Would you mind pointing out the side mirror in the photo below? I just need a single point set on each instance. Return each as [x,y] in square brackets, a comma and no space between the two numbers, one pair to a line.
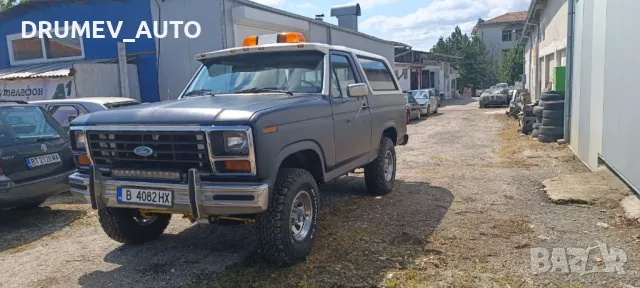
[358,90]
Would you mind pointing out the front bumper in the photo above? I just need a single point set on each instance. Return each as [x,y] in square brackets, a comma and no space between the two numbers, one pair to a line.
[12,194]
[200,199]
[494,100]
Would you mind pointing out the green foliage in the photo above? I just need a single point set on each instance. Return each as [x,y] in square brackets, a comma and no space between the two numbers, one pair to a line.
[6,4]
[475,66]
[511,65]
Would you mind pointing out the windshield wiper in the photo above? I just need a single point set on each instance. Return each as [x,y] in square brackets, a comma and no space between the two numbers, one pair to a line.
[264,90]
[200,92]
[47,138]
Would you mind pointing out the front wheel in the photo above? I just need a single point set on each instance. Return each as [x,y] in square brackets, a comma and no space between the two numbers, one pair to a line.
[286,230]
[380,174]
[129,226]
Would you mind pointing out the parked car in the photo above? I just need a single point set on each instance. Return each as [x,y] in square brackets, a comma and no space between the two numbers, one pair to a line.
[35,156]
[428,100]
[412,106]
[65,110]
[496,96]
[251,136]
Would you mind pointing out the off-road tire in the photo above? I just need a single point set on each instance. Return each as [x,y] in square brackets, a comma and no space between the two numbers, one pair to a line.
[120,225]
[552,130]
[552,122]
[374,172]
[551,96]
[273,228]
[481,106]
[553,114]
[538,110]
[553,105]
[30,206]
[548,138]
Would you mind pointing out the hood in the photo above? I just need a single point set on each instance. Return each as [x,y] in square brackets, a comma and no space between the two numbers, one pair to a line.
[422,101]
[201,110]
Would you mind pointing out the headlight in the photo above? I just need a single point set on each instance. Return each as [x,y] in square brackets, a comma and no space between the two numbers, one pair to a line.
[81,141]
[236,142]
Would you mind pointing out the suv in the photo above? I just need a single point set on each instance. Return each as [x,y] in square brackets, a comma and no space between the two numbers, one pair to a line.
[35,156]
[252,135]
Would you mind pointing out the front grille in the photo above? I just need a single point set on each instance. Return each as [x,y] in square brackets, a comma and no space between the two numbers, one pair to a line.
[172,151]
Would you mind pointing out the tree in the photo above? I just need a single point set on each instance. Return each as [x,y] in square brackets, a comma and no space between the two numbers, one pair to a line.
[475,66]
[511,65]
[6,4]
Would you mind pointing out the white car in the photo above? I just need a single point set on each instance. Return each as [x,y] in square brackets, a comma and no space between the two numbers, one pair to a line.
[427,99]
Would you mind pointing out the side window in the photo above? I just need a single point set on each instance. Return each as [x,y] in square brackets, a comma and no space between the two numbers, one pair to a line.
[341,76]
[378,74]
[63,114]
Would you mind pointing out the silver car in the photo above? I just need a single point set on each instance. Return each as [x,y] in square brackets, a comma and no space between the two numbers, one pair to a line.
[427,99]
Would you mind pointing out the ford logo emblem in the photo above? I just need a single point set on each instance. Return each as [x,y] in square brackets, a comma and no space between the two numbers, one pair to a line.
[143,151]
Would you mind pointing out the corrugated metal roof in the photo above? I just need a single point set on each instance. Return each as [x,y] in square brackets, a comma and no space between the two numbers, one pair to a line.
[56,69]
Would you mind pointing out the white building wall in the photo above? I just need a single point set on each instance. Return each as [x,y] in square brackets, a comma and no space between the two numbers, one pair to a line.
[620,118]
[491,36]
[552,45]
[403,73]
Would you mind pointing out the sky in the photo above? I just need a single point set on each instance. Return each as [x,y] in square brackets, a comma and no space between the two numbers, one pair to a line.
[418,23]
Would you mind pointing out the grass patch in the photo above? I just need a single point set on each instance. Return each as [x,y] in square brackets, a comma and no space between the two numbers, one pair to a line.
[439,159]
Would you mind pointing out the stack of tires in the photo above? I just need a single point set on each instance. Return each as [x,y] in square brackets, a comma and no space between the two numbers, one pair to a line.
[549,126]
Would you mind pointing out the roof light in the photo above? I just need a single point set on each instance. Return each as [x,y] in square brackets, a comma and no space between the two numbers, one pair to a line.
[291,37]
[286,37]
[250,41]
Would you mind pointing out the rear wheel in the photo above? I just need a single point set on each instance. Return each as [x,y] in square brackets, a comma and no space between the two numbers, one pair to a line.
[380,174]
[286,230]
[129,226]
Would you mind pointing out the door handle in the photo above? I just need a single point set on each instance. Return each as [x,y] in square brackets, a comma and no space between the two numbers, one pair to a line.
[365,106]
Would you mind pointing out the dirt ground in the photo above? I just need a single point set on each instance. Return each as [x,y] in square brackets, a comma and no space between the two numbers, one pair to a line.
[466,210]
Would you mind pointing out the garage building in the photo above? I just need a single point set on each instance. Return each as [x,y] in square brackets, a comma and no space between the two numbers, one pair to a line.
[225,23]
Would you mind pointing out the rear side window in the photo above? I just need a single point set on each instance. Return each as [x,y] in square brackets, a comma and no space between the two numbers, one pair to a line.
[378,74]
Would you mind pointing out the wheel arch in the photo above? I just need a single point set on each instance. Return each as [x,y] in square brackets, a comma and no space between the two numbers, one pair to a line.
[306,154]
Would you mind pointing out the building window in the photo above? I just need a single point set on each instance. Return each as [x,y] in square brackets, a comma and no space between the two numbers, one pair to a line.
[518,34]
[506,35]
[47,49]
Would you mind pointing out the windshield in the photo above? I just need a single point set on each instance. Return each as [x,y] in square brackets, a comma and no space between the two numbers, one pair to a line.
[26,125]
[422,94]
[291,71]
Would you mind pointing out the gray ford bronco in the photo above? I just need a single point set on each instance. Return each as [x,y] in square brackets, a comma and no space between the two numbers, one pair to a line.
[249,139]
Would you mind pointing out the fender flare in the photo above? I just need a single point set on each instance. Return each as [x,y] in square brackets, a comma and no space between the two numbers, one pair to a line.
[387,125]
[293,148]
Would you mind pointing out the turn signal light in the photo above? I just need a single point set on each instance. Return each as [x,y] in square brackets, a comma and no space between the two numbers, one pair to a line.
[83,160]
[237,166]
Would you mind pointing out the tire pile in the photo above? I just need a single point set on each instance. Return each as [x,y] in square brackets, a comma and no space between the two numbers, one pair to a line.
[549,126]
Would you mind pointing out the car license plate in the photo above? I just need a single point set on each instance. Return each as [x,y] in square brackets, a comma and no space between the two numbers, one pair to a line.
[34,162]
[149,197]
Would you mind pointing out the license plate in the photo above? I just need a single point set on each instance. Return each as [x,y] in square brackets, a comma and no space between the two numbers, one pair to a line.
[149,197]
[34,162]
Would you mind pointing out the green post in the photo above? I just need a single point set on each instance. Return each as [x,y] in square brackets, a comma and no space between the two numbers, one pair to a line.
[558,78]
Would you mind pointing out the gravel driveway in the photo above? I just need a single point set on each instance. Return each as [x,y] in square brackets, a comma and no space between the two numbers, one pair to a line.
[466,209]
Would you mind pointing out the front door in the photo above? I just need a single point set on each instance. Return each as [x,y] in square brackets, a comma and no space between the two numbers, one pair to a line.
[351,116]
